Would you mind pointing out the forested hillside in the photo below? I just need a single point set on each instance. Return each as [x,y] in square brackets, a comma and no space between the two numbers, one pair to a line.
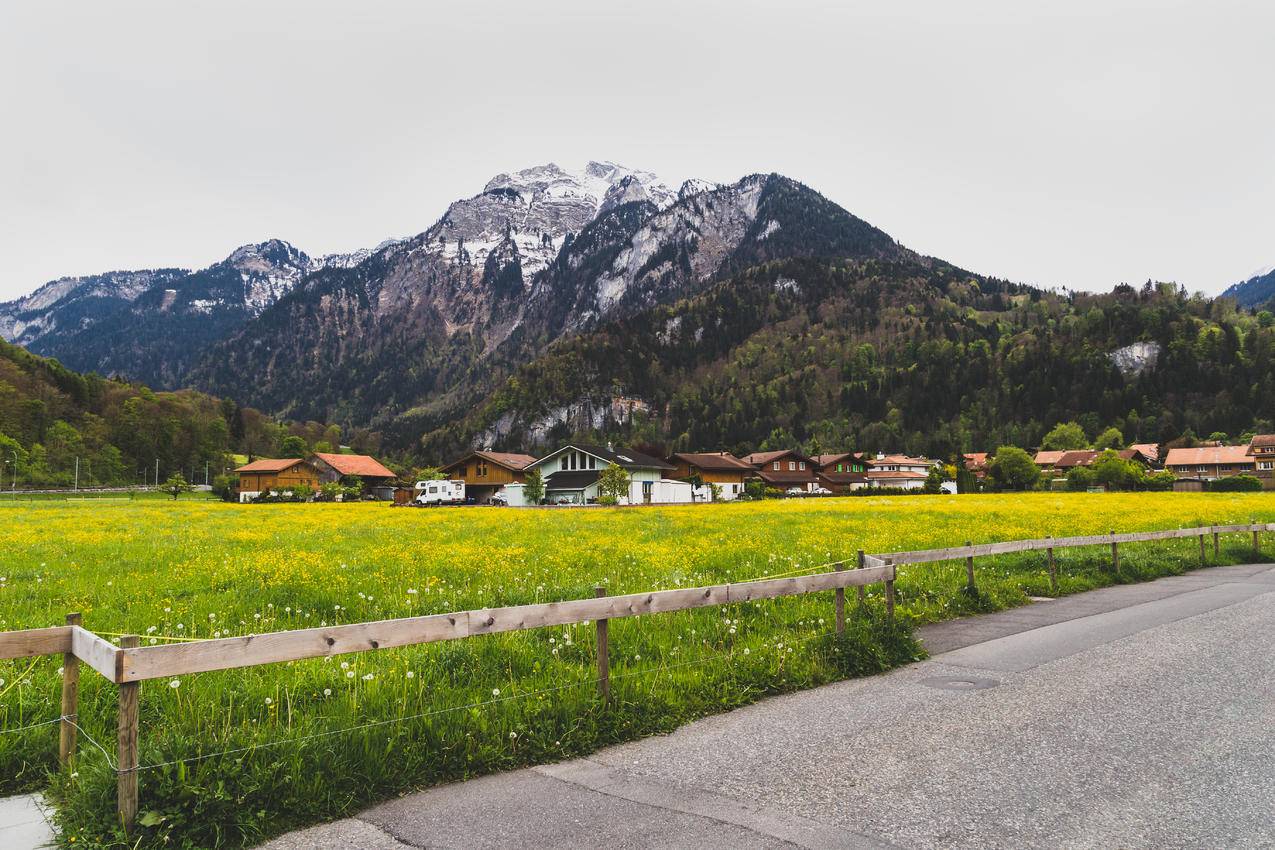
[912,355]
[50,416]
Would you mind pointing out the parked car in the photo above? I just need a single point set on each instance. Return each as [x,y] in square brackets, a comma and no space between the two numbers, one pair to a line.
[821,491]
[440,492]
[500,500]
[797,491]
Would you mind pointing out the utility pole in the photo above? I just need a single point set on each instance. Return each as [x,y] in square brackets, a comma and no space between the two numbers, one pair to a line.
[205,473]
[77,474]
[157,472]
[15,472]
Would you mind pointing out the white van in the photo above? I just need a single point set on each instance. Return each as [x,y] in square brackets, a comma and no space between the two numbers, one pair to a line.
[440,492]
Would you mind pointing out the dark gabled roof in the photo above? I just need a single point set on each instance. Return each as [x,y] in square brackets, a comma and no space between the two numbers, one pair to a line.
[712,460]
[761,458]
[626,458]
[572,480]
[509,460]
[266,464]
[843,477]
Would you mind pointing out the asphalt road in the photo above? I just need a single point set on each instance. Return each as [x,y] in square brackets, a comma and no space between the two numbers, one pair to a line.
[1136,716]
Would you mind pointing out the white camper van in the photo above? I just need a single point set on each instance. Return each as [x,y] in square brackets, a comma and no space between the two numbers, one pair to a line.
[440,492]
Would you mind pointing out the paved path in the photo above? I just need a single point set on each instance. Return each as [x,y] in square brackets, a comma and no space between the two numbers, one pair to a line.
[24,824]
[1134,716]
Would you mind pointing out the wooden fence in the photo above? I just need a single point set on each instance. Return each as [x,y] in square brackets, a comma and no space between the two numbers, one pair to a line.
[129,663]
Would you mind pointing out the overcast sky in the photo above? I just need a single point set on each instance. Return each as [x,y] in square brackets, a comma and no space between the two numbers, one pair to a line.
[1087,145]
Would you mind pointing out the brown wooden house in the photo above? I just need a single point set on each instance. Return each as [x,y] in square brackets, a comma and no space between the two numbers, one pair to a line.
[842,472]
[1262,450]
[726,471]
[486,473]
[783,469]
[377,480]
[265,474]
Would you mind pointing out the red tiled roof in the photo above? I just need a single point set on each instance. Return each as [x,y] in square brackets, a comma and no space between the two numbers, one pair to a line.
[1150,451]
[1261,441]
[712,460]
[975,460]
[903,460]
[265,464]
[1208,456]
[1048,457]
[1082,457]
[361,465]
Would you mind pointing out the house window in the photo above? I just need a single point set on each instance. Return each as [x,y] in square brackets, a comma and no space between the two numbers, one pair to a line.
[482,469]
[1201,468]
[1266,464]
[593,462]
[776,466]
[565,461]
[792,466]
[839,468]
[802,466]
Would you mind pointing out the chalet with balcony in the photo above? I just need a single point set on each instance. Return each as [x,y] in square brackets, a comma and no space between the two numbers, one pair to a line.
[726,471]
[1262,452]
[842,472]
[267,474]
[783,470]
[487,474]
[571,476]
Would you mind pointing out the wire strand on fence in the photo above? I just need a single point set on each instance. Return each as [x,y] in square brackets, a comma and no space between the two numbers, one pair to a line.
[31,726]
[730,654]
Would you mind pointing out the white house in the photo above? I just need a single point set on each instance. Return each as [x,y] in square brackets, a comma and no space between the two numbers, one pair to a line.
[571,476]
[899,471]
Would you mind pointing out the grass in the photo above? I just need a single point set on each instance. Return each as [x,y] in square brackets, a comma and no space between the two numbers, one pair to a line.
[198,569]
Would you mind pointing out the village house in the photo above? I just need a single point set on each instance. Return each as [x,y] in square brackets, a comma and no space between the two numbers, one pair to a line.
[1262,450]
[841,472]
[1047,458]
[571,476]
[378,481]
[784,469]
[1210,462]
[487,474]
[976,464]
[726,471]
[1147,453]
[266,474]
[900,472]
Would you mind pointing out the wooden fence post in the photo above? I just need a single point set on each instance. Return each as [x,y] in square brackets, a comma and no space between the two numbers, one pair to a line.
[1203,559]
[1115,555]
[1053,570]
[1257,546]
[126,777]
[969,571]
[70,701]
[889,592]
[1215,546]
[604,662]
[841,604]
[863,592]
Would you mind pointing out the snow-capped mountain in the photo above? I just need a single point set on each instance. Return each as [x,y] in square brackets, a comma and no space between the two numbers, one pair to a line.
[538,254]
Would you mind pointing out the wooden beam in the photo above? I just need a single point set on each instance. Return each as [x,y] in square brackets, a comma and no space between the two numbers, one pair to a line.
[70,700]
[126,776]
[153,662]
[839,602]
[28,642]
[604,651]
[98,653]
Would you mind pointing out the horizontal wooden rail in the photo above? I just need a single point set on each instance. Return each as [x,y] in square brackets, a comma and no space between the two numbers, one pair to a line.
[982,550]
[29,642]
[155,662]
